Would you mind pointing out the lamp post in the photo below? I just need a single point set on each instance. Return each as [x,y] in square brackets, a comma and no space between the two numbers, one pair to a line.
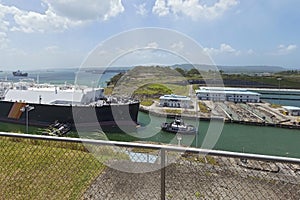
[198,118]
[279,79]
[26,109]
[179,138]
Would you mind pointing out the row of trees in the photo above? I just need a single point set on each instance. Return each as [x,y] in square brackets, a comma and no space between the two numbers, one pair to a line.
[191,72]
[289,72]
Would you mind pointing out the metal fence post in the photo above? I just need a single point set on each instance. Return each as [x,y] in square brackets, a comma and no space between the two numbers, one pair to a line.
[163,174]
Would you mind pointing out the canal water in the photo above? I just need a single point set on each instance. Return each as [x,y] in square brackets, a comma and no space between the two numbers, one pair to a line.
[233,137]
[281,97]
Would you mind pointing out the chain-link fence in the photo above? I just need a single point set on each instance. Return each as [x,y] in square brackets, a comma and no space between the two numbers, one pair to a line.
[40,167]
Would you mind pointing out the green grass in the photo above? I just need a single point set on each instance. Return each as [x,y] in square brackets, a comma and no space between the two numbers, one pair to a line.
[178,89]
[148,92]
[146,102]
[153,76]
[173,111]
[45,170]
[17,128]
[152,90]
[288,81]
[275,106]
[196,86]
[203,108]
[108,90]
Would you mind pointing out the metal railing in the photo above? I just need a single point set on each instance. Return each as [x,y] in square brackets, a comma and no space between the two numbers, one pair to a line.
[36,167]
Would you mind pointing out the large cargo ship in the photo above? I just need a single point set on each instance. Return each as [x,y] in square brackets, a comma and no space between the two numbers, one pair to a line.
[19,73]
[43,104]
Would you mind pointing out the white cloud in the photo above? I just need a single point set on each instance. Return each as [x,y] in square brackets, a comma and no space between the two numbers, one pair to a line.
[3,40]
[29,22]
[284,50]
[178,45]
[223,49]
[4,11]
[59,15]
[160,8]
[152,45]
[3,23]
[250,52]
[192,8]
[141,9]
[52,48]
[78,10]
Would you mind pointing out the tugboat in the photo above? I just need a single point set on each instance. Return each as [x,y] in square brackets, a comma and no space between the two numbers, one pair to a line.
[19,73]
[178,126]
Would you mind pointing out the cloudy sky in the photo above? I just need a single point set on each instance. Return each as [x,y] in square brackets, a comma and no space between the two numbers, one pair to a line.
[61,33]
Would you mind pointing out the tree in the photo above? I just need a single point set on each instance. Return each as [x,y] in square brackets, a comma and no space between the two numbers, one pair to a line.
[115,79]
[193,72]
[181,71]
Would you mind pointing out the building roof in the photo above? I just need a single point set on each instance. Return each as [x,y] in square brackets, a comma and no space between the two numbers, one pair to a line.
[175,97]
[223,89]
[291,108]
[237,92]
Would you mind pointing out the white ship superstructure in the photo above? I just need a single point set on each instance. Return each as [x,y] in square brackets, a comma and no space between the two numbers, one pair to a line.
[52,94]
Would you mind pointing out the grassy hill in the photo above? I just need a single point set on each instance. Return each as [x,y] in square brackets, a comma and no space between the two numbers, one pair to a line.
[141,76]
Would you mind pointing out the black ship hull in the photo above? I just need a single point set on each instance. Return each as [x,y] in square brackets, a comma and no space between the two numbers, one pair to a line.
[20,74]
[84,116]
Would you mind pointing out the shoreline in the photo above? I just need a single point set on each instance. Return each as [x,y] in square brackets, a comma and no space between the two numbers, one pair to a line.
[145,109]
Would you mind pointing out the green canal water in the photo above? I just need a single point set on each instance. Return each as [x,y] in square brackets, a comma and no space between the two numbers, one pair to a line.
[233,137]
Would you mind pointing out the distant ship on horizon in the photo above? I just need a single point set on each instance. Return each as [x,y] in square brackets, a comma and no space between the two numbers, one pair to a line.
[20,73]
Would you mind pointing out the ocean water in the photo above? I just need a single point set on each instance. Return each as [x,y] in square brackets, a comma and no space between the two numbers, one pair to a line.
[62,76]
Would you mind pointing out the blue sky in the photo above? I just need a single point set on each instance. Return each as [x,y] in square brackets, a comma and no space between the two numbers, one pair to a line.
[61,33]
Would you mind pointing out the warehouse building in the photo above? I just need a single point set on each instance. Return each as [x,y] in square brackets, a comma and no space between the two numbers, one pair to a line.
[227,94]
[176,101]
[292,110]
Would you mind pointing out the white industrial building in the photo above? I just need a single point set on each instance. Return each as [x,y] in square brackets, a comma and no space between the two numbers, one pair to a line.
[292,110]
[227,94]
[175,101]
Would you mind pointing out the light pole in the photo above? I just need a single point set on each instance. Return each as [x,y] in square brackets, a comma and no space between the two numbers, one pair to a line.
[194,98]
[179,138]
[279,79]
[26,109]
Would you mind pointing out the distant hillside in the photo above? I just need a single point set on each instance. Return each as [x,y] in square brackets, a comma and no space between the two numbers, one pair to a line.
[232,69]
[139,76]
